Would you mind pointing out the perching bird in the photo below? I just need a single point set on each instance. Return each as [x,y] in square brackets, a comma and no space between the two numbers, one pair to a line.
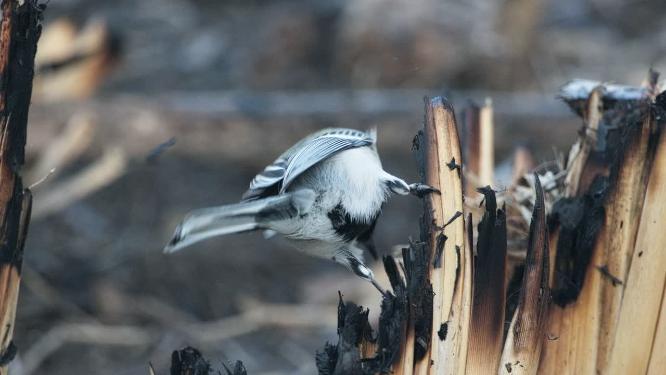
[324,195]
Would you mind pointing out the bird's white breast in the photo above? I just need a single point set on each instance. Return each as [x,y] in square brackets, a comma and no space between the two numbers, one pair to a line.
[362,191]
[352,179]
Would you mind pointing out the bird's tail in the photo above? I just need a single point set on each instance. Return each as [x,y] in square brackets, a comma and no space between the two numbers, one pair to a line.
[205,223]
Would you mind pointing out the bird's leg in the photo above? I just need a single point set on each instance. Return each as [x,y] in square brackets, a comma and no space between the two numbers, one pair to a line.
[362,271]
[420,190]
[379,288]
[399,186]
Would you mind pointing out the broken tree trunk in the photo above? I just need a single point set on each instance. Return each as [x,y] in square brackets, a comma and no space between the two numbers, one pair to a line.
[596,226]
[19,31]
[437,321]
[592,283]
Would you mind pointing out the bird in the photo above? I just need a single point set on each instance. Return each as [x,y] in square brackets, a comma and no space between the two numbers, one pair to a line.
[324,195]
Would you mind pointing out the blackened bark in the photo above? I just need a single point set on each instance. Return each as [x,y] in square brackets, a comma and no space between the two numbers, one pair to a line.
[19,31]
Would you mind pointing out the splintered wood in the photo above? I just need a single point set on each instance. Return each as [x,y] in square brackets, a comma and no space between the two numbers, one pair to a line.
[452,282]
[489,298]
[522,348]
[597,249]
[591,281]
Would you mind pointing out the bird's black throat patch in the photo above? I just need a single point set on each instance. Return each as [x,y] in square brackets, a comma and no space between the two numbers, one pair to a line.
[348,227]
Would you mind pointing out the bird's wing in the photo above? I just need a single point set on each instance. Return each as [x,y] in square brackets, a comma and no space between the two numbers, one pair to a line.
[319,146]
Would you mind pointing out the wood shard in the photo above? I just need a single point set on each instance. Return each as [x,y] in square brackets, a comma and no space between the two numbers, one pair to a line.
[527,331]
[451,282]
[488,306]
[641,302]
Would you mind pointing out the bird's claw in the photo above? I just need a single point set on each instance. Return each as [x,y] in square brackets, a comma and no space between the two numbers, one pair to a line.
[420,190]
[379,288]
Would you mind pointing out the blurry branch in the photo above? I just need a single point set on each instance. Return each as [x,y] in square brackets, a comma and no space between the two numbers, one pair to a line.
[256,315]
[335,102]
[66,147]
[72,63]
[253,316]
[49,295]
[83,333]
[110,166]
[62,151]
[19,31]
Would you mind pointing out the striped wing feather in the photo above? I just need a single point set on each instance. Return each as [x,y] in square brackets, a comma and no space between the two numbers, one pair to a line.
[320,146]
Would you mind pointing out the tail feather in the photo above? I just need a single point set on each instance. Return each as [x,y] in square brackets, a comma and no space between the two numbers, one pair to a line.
[205,223]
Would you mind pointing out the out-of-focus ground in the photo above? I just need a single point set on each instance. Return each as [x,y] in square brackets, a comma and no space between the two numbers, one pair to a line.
[234,83]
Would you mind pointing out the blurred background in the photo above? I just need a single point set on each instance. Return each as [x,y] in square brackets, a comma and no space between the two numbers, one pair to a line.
[143,110]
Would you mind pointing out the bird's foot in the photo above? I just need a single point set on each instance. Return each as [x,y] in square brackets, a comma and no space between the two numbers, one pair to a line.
[379,288]
[362,271]
[420,190]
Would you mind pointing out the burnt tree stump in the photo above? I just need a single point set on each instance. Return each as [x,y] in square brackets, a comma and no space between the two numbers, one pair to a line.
[20,29]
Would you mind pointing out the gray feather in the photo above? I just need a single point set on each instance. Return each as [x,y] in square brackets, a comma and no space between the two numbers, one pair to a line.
[319,146]
[205,223]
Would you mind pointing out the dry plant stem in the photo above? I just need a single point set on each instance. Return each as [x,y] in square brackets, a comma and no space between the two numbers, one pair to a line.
[472,152]
[452,281]
[624,207]
[641,303]
[479,153]
[522,348]
[523,163]
[487,149]
[577,324]
[19,32]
